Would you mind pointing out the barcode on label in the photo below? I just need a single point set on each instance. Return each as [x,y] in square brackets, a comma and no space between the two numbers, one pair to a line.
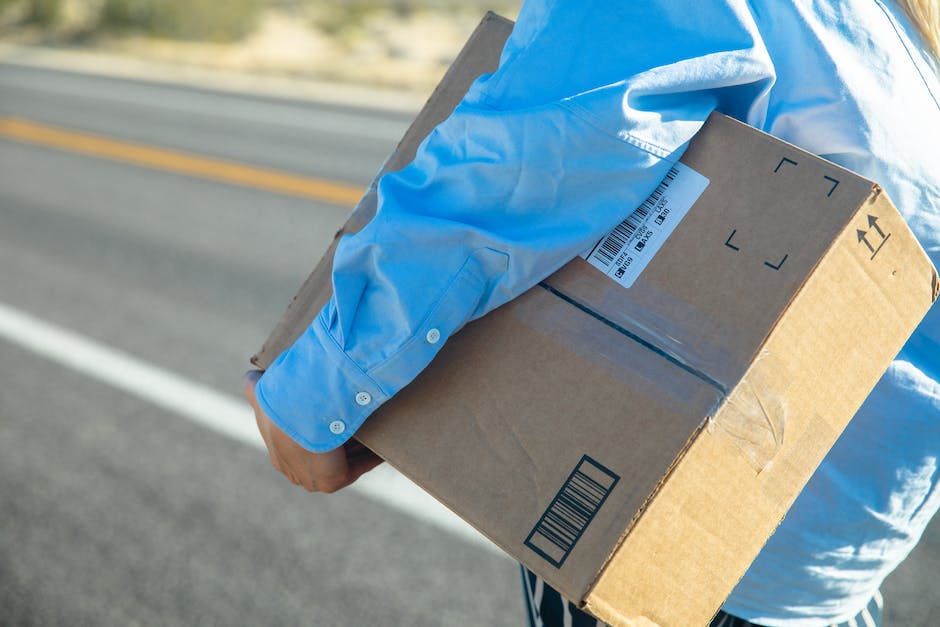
[624,253]
[609,248]
[571,511]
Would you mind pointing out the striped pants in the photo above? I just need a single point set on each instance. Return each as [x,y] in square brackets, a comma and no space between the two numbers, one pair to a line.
[546,608]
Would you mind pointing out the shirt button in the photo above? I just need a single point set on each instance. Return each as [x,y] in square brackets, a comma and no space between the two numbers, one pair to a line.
[363,398]
[337,427]
[433,336]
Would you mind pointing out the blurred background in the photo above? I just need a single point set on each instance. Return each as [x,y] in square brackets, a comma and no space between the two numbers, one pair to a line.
[398,43]
[170,170]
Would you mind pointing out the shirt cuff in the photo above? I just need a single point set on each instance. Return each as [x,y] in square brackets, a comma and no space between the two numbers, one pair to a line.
[315,393]
[319,396]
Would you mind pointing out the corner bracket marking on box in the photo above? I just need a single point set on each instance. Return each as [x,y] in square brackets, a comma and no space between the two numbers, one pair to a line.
[571,511]
[785,160]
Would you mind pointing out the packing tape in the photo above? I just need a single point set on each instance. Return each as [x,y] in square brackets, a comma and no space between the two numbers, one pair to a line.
[753,416]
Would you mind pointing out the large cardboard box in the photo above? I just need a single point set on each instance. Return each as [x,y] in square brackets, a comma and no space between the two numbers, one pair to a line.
[636,446]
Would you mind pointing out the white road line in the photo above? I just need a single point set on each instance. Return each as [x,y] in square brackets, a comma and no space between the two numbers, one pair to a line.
[205,406]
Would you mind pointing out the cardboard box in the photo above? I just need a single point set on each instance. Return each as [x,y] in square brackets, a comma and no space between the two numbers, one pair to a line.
[635,447]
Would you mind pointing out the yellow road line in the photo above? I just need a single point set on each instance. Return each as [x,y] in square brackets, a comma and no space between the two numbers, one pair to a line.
[180,162]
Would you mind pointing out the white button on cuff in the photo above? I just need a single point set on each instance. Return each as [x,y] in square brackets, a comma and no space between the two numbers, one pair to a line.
[337,427]
[433,336]
[363,398]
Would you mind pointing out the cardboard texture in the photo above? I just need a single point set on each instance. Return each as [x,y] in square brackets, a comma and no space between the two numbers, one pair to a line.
[636,447]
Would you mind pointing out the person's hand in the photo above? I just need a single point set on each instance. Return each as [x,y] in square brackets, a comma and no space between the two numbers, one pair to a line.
[316,472]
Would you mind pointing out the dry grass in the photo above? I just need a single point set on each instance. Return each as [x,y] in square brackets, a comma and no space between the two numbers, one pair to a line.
[393,43]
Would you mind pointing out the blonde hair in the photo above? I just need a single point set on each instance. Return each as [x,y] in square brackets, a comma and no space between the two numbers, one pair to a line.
[925,14]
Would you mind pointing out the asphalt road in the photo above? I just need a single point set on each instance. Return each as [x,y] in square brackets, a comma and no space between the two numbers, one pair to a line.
[114,511]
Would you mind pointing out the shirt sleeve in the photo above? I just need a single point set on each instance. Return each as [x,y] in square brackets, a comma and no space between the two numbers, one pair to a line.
[590,106]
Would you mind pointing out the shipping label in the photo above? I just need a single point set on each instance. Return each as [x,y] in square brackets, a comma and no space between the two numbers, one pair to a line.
[626,251]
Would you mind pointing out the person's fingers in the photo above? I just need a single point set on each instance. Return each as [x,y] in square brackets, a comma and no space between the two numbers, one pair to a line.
[298,471]
[323,472]
[272,456]
[329,470]
[280,461]
[291,457]
[291,465]
[285,469]
[249,383]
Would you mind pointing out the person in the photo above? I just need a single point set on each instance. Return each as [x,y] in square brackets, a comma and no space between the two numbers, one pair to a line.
[590,105]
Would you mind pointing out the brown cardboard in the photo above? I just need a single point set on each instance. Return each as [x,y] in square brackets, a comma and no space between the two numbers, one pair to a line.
[683,414]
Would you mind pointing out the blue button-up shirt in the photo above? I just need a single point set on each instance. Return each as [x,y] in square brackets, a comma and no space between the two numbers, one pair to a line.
[591,104]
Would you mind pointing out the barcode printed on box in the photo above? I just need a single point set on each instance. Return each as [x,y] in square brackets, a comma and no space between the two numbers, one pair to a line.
[571,511]
[626,251]
[608,248]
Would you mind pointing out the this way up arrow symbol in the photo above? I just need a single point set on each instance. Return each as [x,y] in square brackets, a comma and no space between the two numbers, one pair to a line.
[873,223]
[862,238]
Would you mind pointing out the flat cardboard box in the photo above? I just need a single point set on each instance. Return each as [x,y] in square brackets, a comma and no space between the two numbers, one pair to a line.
[635,447]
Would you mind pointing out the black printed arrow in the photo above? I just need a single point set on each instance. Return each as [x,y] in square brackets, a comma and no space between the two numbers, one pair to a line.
[728,241]
[873,224]
[861,238]
[835,184]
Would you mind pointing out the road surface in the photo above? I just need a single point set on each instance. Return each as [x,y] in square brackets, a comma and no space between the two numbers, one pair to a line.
[117,511]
